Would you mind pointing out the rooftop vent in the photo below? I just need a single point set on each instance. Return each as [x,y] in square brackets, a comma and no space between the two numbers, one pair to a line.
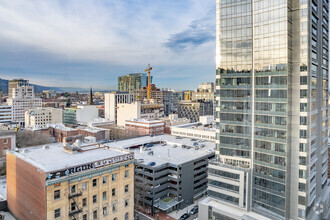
[45,147]
[72,149]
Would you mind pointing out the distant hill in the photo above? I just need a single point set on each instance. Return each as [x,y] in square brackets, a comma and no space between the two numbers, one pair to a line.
[38,88]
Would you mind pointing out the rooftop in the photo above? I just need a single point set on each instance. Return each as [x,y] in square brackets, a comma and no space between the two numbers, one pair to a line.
[55,158]
[61,126]
[232,211]
[197,126]
[172,152]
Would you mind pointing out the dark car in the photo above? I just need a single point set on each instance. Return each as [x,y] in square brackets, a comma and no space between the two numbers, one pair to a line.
[194,210]
[184,216]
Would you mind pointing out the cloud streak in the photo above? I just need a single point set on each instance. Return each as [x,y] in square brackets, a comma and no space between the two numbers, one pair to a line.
[198,33]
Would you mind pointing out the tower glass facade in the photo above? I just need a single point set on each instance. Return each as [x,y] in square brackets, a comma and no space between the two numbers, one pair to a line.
[271,99]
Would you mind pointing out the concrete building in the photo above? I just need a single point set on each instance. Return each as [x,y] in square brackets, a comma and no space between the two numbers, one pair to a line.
[194,109]
[21,99]
[173,120]
[70,182]
[197,130]
[131,82]
[111,100]
[41,117]
[145,127]
[82,114]
[271,95]
[170,173]
[206,87]
[137,110]
[6,113]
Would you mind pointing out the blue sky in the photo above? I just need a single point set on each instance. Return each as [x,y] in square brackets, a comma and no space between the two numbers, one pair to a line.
[82,43]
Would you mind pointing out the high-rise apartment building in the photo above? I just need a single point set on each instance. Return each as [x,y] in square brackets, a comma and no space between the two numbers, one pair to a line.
[111,100]
[131,82]
[271,105]
[22,98]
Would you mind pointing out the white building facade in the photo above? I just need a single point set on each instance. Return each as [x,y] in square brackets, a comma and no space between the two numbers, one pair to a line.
[41,117]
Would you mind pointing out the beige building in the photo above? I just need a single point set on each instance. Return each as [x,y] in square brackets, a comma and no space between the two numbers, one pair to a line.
[137,110]
[41,117]
[71,182]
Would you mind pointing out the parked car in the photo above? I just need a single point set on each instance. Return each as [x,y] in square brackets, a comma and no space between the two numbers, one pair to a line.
[194,210]
[184,216]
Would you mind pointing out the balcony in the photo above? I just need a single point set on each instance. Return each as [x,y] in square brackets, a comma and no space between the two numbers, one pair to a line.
[75,195]
[75,212]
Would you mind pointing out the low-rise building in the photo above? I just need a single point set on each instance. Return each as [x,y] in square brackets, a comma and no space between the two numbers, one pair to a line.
[170,172]
[145,127]
[41,117]
[70,182]
[7,142]
[194,130]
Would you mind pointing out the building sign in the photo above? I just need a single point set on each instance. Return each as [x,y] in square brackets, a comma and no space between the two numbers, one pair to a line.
[97,164]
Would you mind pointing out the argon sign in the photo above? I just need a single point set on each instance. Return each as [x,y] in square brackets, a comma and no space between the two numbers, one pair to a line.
[97,164]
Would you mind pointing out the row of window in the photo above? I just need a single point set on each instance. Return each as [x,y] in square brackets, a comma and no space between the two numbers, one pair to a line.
[57,213]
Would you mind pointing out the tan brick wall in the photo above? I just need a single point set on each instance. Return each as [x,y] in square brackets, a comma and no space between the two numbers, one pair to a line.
[25,189]
[119,199]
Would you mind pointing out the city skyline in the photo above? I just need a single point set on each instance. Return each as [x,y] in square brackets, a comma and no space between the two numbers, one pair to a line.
[58,43]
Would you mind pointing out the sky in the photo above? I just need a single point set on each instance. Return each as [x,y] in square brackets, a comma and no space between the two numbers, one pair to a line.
[83,43]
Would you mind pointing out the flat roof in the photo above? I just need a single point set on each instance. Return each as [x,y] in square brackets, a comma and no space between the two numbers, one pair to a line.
[168,153]
[197,126]
[55,158]
[232,211]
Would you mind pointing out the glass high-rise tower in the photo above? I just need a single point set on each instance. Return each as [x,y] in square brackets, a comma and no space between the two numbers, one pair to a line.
[271,106]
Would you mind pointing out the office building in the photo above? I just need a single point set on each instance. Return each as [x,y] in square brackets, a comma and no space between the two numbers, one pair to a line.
[271,94]
[170,172]
[131,82]
[70,182]
[111,100]
[21,99]
[41,117]
[194,109]
[6,113]
[82,114]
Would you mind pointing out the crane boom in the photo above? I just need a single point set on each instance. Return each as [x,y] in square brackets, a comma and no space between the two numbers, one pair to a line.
[149,84]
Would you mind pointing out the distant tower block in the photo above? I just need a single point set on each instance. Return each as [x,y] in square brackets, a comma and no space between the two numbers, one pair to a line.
[90,99]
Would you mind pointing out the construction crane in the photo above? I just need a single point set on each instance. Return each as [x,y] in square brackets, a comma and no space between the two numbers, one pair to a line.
[149,84]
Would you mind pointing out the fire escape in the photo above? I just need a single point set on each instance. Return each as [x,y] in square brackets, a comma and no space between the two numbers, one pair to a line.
[75,210]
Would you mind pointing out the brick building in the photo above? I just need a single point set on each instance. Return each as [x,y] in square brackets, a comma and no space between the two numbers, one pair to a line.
[70,182]
[7,142]
[145,127]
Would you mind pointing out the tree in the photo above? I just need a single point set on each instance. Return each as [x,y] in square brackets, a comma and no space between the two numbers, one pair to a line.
[27,138]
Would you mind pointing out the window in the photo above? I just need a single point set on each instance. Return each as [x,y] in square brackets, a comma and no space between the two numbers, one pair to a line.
[95,214]
[84,202]
[94,198]
[302,147]
[126,202]
[104,195]
[105,210]
[126,173]
[73,206]
[303,134]
[57,213]
[126,165]
[114,207]
[126,216]
[114,192]
[113,177]
[303,120]
[303,107]
[73,189]
[84,185]
[301,200]
[94,182]
[85,217]
[104,180]
[57,194]
[126,188]
[303,80]
[5,141]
